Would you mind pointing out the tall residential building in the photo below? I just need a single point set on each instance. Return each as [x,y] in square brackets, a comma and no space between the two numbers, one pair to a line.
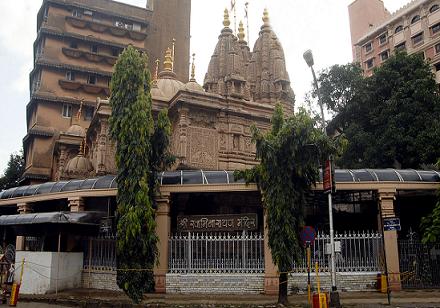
[415,28]
[77,44]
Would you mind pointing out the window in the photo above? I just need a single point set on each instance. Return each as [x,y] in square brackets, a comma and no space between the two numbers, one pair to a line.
[67,110]
[91,79]
[421,55]
[88,113]
[368,47]
[136,27]
[119,24]
[36,81]
[40,47]
[370,63]
[437,48]
[435,28]
[115,52]
[70,75]
[73,45]
[398,29]
[401,46]
[46,12]
[89,13]
[383,39]
[437,67]
[415,19]
[76,13]
[384,55]
[417,39]
[434,8]
[94,48]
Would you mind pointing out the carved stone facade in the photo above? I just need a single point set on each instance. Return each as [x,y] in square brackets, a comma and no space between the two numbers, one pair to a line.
[210,125]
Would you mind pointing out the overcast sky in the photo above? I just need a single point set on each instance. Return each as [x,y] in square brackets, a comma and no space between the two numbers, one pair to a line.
[320,25]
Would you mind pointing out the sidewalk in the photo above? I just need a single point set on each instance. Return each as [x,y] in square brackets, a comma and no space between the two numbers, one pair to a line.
[100,298]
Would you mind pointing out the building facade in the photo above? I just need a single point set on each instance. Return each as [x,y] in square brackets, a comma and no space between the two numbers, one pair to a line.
[376,33]
[77,44]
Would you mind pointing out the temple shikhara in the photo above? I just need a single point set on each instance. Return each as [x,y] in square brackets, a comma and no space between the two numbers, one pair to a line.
[211,228]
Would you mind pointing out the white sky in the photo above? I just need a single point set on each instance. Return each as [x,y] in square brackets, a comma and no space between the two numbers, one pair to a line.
[320,25]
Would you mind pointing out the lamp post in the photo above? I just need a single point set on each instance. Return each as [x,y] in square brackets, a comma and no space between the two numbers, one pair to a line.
[334,295]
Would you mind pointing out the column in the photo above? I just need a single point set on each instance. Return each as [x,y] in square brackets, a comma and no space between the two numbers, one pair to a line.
[271,276]
[76,204]
[163,229]
[386,208]
[22,208]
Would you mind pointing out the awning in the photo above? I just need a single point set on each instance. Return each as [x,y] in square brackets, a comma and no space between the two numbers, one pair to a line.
[53,223]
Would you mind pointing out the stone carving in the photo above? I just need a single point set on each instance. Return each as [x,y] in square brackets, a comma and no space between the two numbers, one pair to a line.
[202,119]
[203,148]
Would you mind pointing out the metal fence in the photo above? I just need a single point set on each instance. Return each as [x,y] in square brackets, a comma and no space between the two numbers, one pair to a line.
[419,264]
[100,253]
[359,252]
[216,253]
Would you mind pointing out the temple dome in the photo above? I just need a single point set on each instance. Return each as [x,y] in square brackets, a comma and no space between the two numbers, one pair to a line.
[192,84]
[227,68]
[167,83]
[267,73]
[78,167]
[76,130]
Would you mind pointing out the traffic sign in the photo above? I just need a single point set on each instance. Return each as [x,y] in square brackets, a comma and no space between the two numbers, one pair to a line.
[308,234]
[391,224]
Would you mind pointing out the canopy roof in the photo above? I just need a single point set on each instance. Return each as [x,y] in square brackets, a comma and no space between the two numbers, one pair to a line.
[217,177]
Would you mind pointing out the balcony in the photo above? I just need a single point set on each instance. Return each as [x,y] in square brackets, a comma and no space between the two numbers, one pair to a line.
[99,27]
[92,57]
[86,87]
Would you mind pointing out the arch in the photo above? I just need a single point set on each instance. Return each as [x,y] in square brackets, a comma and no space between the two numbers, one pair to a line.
[398,29]
[415,19]
[434,8]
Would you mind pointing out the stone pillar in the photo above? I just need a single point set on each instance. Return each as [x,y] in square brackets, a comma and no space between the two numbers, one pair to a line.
[386,208]
[22,208]
[271,276]
[163,229]
[76,204]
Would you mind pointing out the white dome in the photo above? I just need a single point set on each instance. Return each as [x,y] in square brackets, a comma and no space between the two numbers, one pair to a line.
[169,87]
[193,86]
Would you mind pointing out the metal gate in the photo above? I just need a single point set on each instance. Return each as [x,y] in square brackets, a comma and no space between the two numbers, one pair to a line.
[419,264]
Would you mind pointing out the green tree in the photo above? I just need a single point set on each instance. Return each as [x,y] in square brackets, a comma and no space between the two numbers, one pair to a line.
[430,224]
[13,171]
[389,119]
[141,151]
[290,155]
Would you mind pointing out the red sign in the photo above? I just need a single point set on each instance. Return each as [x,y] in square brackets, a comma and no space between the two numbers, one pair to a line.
[327,178]
[307,235]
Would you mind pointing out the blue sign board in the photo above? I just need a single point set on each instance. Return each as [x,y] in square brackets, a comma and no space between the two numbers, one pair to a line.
[308,235]
[391,224]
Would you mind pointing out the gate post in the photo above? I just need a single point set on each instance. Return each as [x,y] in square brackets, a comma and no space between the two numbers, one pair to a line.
[163,229]
[22,208]
[387,195]
[271,276]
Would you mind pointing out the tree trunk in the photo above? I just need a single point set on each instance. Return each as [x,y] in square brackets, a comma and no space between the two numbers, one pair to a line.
[282,289]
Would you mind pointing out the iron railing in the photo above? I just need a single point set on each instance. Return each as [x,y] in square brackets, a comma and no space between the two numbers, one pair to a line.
[359,252]
[100,253]
[216,253]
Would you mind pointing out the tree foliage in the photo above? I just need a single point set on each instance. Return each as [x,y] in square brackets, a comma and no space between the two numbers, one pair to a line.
[430,224]
[389,119]
[141,151]
[290,155]
[13,171]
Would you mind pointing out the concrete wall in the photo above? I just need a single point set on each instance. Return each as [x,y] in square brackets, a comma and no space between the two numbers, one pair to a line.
[359,281]
[103,280]
[215,283]
[41,268]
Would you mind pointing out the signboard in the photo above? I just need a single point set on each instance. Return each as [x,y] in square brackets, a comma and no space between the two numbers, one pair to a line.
[328,178]
[307,235]
[206,223]
[391,224]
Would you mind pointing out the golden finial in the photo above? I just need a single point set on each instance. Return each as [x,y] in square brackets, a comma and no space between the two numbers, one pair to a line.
[226,21]
[193,68]
[172,56]
[241,34]
[78,114]
[168,63]
[156,72]
[266,16]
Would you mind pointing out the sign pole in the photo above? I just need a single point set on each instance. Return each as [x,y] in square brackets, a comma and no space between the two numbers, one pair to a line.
[309,294]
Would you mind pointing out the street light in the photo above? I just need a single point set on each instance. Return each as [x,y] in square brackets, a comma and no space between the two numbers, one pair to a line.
[308,56]
[334,295]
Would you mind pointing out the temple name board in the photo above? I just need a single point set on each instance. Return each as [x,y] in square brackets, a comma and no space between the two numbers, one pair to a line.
[233,222]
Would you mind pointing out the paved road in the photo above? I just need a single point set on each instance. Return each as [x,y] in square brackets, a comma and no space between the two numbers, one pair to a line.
[37,305]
